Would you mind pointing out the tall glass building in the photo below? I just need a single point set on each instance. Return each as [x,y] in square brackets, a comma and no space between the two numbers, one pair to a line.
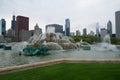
[97,30]
[109,28]
[2,27]
[13,23]
[117,24]
[84,32]
[67,27]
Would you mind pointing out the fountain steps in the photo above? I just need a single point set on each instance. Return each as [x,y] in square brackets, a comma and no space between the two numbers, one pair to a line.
[52,62]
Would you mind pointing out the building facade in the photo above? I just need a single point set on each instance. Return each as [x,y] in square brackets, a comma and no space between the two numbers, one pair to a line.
[117,24]
[37,30]
[72,34]
[13,23]
[91,33]
[109,28]
[67,27]
[25,35]
[2,27]
[97,30]
[11,34]
[84,32]
[22,23]
[2,39]
[78,33]
[55,28]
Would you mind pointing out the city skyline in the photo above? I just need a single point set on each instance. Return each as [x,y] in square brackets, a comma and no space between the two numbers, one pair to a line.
[82,13]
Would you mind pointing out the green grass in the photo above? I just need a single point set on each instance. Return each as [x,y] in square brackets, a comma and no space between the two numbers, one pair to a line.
[69,71]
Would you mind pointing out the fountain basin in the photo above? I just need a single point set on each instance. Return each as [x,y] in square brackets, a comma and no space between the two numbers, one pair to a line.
[12,57]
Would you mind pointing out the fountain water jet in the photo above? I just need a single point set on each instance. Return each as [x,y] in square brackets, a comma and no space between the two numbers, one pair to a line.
[52,40]
[11,58]
[106,44]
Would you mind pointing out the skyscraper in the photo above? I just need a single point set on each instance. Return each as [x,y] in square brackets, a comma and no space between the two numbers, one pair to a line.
[2,27]
[84,32]
[67,27]
[109,28]
[77,33]
[13,23]
[58,28]
[21,24]
[117,24]
[97,30]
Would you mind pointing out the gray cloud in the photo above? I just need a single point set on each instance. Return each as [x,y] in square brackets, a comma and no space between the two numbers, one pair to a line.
[82,13]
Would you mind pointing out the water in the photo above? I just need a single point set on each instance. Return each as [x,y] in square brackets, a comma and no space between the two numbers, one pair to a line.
[102,50]
[51,29]
[107,39]
[12,58]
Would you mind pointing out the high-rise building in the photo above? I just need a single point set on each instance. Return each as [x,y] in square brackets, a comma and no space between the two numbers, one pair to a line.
[117,23]
[24,35]
[13,23]
[77,33]
[97,30]
[2,27]
[91,33]
[72,34]
[11,34]
[55,28]
[37,30]
[22,23]
[109,28]
[67,27]
[84,32]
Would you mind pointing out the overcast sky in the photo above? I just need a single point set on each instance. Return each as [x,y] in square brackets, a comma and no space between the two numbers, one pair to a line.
[82,13]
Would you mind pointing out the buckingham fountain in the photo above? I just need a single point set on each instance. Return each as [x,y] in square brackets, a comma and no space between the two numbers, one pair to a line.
[59,47]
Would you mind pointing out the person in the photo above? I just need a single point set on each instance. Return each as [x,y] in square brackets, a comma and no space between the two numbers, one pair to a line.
[20,53]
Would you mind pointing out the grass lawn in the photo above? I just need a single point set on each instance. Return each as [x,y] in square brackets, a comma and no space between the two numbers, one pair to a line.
[69,71]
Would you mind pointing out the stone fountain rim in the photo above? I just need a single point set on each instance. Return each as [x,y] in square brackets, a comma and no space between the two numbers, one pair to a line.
[12,69]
